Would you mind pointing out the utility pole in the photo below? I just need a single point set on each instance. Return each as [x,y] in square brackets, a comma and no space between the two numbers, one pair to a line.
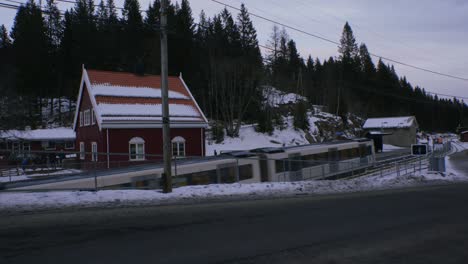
[165,104]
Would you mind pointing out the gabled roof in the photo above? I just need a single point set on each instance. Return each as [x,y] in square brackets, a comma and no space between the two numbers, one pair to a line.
[127,100]
[390,122]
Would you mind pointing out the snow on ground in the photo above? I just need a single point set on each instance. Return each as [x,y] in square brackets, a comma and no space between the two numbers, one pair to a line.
[250,139]
[388,147]
[27,201]
[275,97]
[31,174]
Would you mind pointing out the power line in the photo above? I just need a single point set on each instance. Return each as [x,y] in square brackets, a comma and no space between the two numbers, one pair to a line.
[337,43]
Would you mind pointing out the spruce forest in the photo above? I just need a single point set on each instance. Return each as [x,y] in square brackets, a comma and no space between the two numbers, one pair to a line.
[219,58]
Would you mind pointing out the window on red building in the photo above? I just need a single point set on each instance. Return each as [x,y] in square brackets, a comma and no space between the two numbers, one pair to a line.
[178,147]
[136,148]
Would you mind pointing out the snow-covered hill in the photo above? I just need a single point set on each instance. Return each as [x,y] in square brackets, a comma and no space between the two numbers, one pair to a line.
[323,126]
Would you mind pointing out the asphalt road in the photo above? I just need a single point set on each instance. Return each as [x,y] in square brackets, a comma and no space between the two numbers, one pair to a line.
[423,225]
[460,161]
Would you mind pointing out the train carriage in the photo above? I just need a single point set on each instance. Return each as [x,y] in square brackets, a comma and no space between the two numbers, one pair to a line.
[314,161]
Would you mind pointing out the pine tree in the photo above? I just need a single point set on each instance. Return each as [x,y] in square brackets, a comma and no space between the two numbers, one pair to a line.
[5,41]
[348,48]
[184,44]
[33,69]
[367,66]
[102,17]
[301,121]
[132,35]
[248,34]
[53,23]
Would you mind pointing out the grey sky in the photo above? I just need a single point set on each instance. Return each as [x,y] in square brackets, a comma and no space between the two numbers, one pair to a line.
[430,34]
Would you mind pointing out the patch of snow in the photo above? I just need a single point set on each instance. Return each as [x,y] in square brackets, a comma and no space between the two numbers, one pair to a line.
[388,147]
[60,133]
[389,122]
[18,175]
[146,110]
[275,97]
[127,91]
[250,139]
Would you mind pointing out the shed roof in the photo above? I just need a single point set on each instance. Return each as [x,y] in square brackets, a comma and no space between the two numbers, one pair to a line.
[390,122]
[127,100]
[61,133]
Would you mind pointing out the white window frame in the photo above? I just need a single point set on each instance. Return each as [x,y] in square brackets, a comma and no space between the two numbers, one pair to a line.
[177,142]
[46,144]
[81,118]
[26,147]
[94,151]
[93,119]
[69,142]
[15,147]
[87,117]
[82,151]
[137,141]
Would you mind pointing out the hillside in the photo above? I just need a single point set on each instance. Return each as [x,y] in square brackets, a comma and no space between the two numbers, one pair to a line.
[323,126]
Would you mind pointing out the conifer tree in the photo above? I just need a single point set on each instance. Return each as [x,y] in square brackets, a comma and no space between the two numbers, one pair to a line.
[348,48]
[32,66]
[5,40]
[301,121]
[132,35]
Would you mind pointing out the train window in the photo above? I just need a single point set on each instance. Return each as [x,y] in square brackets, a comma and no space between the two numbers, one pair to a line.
[295,161]
[323,156]
[343,154]
[369,150]
[202,177]
[281,165]
[245,172]
[362,150]
[227,174]
[354,153]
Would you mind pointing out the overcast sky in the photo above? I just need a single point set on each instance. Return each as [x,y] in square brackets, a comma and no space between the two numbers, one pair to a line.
[432,34]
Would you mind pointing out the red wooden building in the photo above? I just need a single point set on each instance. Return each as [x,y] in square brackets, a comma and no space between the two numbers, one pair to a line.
[119,118]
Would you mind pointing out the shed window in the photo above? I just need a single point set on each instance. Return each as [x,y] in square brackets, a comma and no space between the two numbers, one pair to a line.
[15,147]
[26,147]
[87,117]
[69,145]
[82,150]
[178,147]
[136,148]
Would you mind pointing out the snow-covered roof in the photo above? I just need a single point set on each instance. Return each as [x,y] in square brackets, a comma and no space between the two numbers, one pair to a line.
[146,110]
[107,89]
[61,133]
[127,100]
[390,122]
